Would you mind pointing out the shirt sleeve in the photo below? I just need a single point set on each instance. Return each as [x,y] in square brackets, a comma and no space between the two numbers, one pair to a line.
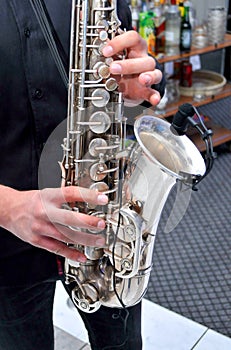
[124,14]
[160,87]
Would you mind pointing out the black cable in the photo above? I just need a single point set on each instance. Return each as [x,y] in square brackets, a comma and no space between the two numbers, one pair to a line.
[206,135]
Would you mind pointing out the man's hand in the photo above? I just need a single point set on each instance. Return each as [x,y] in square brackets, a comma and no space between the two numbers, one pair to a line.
[37,217]
[136,74]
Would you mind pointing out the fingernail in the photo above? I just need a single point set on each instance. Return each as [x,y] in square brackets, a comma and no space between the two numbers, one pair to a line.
[101,224]
[155,98]
[102,199]
[147,79]
[115,68]
[108,51]
[100,242]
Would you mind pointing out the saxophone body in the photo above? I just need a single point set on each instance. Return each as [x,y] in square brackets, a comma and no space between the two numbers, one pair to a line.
[136,176]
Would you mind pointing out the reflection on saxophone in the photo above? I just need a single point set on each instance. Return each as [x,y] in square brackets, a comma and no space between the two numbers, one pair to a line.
[137,177]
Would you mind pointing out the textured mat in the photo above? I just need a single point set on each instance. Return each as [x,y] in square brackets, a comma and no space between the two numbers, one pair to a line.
[192,264]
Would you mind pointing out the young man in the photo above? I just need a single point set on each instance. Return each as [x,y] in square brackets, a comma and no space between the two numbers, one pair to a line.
[33,101]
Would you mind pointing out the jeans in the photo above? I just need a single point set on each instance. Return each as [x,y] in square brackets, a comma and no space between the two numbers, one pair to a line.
[26,321]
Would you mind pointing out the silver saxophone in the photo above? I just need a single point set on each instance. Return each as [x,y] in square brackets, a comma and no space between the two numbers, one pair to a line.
[137,176]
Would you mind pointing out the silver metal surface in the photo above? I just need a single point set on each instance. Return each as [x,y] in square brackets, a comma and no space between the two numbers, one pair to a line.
[137,176]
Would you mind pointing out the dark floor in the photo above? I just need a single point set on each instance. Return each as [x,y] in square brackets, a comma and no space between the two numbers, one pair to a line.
[192,264]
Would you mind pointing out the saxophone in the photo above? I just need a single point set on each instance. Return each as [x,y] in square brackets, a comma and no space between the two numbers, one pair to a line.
[137,176]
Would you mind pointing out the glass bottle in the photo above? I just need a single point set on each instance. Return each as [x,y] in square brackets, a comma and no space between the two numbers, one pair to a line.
[186,73]
[181,8]
[144,6]
[172,31]
[135,15]
[159,20]
[166,6]
[185,32]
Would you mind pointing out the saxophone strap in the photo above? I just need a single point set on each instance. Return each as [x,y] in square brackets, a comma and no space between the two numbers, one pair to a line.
[51,38]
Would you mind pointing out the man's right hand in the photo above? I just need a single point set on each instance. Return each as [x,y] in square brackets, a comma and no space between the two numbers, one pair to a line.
[37,217]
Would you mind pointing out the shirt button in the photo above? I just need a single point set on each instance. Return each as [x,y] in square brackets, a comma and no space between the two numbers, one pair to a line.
[27,32]
[38,94]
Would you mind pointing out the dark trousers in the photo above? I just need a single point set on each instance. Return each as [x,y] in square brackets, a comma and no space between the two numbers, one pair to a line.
[26,321]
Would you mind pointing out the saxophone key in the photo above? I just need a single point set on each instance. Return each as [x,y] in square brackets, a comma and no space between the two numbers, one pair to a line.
[100,187]
[97,146]
[98,46]
[102,25]
[97,172]
[126,264]
[101,122]
[111,84]
[100,97]
[103,35]
[101,70]
[109,60]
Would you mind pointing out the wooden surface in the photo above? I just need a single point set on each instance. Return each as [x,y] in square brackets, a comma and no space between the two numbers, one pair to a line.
[220,135]
[172,108]
[196,51]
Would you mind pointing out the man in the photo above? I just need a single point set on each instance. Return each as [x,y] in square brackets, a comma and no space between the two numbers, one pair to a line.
[33,102]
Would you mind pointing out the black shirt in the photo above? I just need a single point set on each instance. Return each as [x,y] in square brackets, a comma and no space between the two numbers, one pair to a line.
[33,102]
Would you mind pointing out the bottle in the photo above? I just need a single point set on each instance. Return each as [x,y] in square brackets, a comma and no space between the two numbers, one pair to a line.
[147,30]
[159,21]
[165,7]
[172,30]
[185,32]
[144,6]
[186,74]
[181,8]
[135,15]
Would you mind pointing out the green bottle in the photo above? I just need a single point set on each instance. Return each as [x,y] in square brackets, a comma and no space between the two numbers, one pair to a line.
[185,32]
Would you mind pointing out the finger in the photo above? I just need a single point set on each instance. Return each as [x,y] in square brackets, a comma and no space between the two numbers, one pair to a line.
[130,40]
[152,96]
[75,219]
[150,78]
[133,66]
[61,249]
[144,93]
[77,236]
[74,194]
[66,235]
[52,231]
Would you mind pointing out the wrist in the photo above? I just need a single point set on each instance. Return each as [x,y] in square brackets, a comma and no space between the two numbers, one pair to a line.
[8,196]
